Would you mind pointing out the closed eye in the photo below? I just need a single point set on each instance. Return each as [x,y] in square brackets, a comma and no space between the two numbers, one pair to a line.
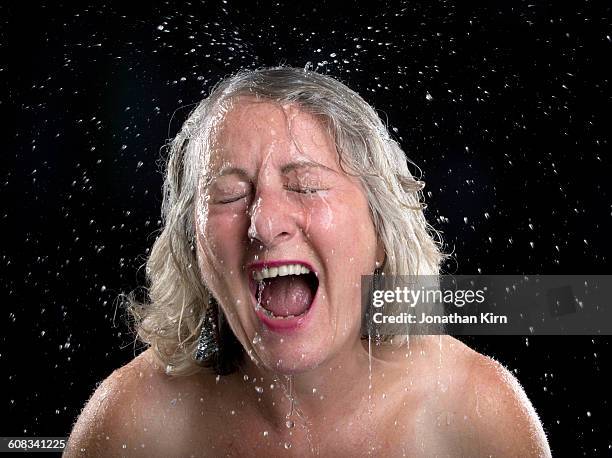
[229,200]
[305,189]
[227,191]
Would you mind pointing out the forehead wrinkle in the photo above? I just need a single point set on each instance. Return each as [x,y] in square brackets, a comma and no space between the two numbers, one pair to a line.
[241,112]
[289,112]
[314,121]
[273,144]
[249,122]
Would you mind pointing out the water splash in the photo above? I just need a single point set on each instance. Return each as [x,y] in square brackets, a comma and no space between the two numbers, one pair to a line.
[291,403]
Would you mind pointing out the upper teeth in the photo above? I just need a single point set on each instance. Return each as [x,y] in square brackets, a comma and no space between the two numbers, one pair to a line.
[281,271]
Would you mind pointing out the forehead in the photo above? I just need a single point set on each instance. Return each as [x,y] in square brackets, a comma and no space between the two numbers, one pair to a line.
[253,130]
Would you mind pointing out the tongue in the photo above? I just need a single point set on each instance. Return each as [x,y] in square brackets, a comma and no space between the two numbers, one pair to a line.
[288,295]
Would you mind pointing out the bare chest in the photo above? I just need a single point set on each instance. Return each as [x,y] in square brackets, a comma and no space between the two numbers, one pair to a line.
[246,435]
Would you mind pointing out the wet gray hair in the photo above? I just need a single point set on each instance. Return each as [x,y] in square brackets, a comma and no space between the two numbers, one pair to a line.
[171,320]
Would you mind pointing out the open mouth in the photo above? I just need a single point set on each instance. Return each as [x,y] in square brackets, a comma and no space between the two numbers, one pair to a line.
[284,290]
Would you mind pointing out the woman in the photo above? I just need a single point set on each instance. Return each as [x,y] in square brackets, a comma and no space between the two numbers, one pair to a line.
[283,189]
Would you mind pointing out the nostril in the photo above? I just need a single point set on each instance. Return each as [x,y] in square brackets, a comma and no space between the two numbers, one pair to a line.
[269,223]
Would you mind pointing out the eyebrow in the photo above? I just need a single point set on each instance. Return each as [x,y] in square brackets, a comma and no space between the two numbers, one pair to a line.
[300,165]
[229,170]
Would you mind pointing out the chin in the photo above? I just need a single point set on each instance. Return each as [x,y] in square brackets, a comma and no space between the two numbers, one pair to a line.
[289,357]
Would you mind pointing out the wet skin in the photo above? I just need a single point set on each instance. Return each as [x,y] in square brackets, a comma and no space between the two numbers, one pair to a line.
[438,398]
[274,190]
[278,193]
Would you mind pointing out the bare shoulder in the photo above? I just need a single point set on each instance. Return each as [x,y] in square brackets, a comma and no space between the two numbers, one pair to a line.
[496,416]
[462,403]
[133,412]
[110,419]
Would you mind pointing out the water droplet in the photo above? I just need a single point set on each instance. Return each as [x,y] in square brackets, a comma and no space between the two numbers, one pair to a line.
[287,445]
[290,424]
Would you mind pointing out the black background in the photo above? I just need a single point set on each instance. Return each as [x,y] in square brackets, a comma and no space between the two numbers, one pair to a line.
[503,105]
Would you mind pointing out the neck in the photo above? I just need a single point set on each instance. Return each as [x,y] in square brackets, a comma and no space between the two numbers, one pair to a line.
[341,385]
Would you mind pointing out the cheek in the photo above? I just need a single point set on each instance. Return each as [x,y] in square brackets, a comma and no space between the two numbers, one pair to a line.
[348,229]
[222,236]
[348,249]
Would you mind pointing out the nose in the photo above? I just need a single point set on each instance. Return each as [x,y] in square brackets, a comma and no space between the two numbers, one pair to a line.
[274,219]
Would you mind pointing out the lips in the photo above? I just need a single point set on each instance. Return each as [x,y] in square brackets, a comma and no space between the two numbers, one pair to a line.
[283,292]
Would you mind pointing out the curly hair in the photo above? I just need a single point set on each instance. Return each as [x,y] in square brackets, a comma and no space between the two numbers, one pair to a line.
[171,319]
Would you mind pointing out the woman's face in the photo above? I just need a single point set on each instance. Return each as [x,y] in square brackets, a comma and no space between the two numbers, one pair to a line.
[284,236]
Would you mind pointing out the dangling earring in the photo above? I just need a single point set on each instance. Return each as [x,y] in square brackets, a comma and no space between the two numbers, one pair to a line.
[378,284]
[377,279]
[208,343]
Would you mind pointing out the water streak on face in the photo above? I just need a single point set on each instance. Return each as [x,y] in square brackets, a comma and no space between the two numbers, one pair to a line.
[274,194]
